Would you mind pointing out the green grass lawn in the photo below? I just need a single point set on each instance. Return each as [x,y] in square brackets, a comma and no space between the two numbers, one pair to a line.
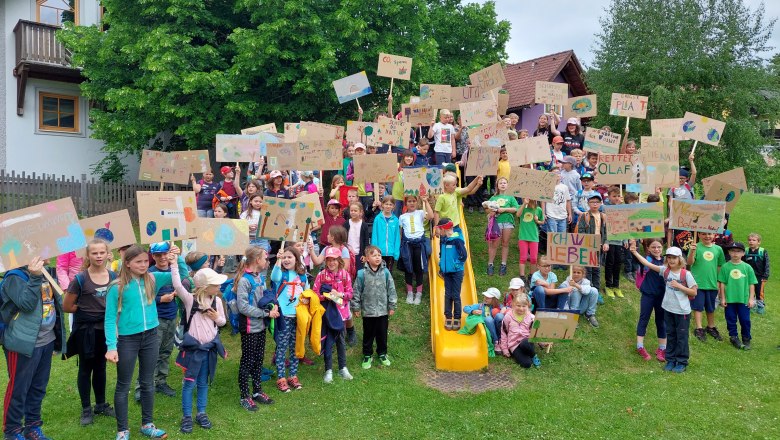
[594,387]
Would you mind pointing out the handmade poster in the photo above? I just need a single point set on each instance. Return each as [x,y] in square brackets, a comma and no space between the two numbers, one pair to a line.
[187,246]
[283,156]
[697,215]
[420,113]
[489,78]
[557,109]
[573,249]
[703,129]
[479,112]
[352,87]
[394,66]
[529,150]
[238,148]
[601,141]
[423,181]
[265,128]
[554,325]
[198,159]
[375,168]
[222,236]
[44,230]
[166,215]
[582,106]
[632,106]
[661,158]
[266,138]
[317,131]
[501,97]
[314,199]
[533,184]
[483,161]
[281,219]
[619,169]
[160,166]
[320,155]
[291,131]
[460,95]
[735,177]
[552,93]
[393,132]
[493,134]
[720,191]
[435,95]
[668,128]
[634,221]
[363,132]
[115,228]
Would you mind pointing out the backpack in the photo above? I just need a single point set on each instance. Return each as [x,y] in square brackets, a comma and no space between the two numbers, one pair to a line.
[215,201]
[7,311]
[230,295]
[80,279]
[492,231]
[278,288]
[352,268]
[683,275]
[184,325]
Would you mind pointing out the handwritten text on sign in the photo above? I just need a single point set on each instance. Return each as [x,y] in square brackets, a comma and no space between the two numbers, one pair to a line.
[394,66]
[617,169]
[489,78]
[573,249]
[532,184]
[697,215]
[601,141]
[633,106]
[552,93]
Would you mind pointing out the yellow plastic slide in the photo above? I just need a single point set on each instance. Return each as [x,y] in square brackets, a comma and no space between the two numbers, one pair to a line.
[451,350]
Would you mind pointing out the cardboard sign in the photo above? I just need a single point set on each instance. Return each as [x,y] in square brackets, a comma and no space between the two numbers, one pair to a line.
[619,169]
[280,219]
[634,221]
[352,87]
[238,148]
[703,129]
[661,158]
[435,95]
[501,97]
[160,166]
[291,131]
[44,230]
[668,128]
[632,106]
[314,199]
[483,161]
[582,106]
[320,155]
[166,215]
[533,184]
[393,132]
[460,95]
[283,156]
[363,132]
[423,181]
[222,236]
[197,159]
[552,93]
[115,228]
[554,325]
[317,131]
[489,78]
[601,141]
[697,215]
[480,112]
[265,128]
[724,192]
[420,113]
[735,177]
[266,138]
[573,249]
[187,246]
[375,168]
[394,66]
[528,150]
[494,134]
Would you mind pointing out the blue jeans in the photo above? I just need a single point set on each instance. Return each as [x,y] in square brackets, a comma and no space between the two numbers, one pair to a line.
[739,311]
[647,304]
[442,158]
[206,213]
[677,329]
[399,206]
[188,388]
[452,285]
[27,381]
[493,324]
[544,301]
[584,303]
[556,225]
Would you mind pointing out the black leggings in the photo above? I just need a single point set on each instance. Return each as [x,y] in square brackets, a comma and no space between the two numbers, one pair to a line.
[251,363]
[524,354]
[92,374]
[389,262]
[415,253]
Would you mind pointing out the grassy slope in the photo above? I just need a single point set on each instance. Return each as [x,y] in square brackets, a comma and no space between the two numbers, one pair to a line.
[595,387]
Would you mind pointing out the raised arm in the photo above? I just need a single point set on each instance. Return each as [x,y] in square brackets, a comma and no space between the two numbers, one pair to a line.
[692,178]
[642,260]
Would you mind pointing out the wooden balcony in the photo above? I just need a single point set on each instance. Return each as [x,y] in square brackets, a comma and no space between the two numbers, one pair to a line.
[40,55]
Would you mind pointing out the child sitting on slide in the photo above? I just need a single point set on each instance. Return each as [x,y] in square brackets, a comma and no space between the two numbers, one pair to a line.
[491,312]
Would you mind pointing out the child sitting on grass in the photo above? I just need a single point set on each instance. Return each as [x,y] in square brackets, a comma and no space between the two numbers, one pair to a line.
[544,293]
[584,298]
[515,330]
[737,291]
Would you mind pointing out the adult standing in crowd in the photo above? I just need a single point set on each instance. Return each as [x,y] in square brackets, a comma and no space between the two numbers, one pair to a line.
[572,137]
[205,190]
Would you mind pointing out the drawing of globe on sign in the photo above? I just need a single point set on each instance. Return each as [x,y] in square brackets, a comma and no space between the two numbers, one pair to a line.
[582,105]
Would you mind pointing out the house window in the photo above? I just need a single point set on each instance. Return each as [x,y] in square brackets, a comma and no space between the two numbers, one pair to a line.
[58,113]
[56,12]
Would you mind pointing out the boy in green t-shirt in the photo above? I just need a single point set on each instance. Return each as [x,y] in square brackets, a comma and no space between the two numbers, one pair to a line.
[448,204]
[737,290]
[705,259]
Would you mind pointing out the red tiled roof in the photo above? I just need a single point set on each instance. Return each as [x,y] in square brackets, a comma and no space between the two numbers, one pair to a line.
[521,77]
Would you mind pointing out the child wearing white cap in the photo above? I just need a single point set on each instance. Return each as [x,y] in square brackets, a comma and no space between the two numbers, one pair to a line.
[491,311]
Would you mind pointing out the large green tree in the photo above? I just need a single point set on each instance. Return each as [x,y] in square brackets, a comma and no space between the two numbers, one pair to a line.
[702,56]
[179,71]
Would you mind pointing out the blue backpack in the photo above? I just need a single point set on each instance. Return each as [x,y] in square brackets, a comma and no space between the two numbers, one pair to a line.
[9,309]
[229,294]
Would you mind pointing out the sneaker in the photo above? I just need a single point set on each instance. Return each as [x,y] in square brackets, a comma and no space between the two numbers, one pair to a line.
[248,404]
[700,334]
[384,360]
[165,389]
[610,292]
[306,361]
[121,435]
[631,277]
[490,269]
[152,431]
[745,344]
[669,366]
[593,321]
[417,298]
[351,337]
[455,324]
[267,372]
[344,373]
[282,386]
[737,343]
[34,433]
[186,424]
[328,377]
[137,395]
[679,368]
[87,417]
[366,364]
[105,409]
[760,310]
[536,361]
[643,352]
[203,420]
[600,299]
[409,298]
[294,383]
[660,355]
[262,398]
[502,269]
[713,331]
[618,292]
[447,324]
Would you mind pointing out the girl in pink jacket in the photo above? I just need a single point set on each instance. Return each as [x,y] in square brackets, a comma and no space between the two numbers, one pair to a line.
[515,330]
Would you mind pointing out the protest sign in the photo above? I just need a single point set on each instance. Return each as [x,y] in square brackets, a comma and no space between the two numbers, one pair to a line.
[702,128]
[115,228]
[160,166]
[283,156]
[735,177]
[265,128]
[320,155]
[582,106]
[661,158]
[280,219]
[479,112]
[363,132]
[489,78]
[187,246]
[314,199]
[501,97]
[529,150]
[198,160]
[483,161]
[222,236]
[375,168]
[435,95]
[632,106]
[533,184]
[634,221]
[166,215]
[618,169]
[393,132]
[238,148]
[44,230]
[420,113]
[317,131]
[352,87]
[394,66]
[668,128]
[551,93]
[573,249]
[291,131]
[554,325]
[601,141]
[697,215]
[724,192]
[423,181]
[460,95]
[493,134]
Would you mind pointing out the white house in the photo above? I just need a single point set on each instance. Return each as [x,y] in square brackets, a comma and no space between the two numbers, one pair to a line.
[44,124]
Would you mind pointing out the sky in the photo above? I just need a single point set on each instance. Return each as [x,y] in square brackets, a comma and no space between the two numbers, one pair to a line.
[537,33]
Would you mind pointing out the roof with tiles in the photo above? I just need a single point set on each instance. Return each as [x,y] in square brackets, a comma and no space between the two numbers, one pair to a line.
[521,77]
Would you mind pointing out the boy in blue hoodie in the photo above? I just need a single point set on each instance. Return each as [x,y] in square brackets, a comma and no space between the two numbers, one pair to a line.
[451,258]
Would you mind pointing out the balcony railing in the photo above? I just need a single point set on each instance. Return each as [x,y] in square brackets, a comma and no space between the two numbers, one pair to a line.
[37,43]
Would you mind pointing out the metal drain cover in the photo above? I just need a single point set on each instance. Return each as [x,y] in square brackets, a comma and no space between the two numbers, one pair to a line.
[453,382]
